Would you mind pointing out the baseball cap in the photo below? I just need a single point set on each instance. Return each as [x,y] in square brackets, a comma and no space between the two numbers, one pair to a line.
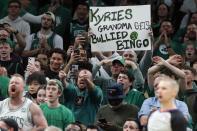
[118,60]
[115,91]
[57,82]
[50,14]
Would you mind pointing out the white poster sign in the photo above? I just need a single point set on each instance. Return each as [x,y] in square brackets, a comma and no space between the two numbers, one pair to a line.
[120,27]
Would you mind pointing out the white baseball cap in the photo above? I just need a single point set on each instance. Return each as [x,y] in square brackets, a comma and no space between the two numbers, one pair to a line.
[50,14]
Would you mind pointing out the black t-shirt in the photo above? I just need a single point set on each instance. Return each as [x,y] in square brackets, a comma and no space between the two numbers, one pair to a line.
[13,67]
[51,74]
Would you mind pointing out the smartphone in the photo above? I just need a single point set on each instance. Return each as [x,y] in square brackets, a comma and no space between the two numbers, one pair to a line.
[77,51]
[74,68]
[103,120]
[31,60]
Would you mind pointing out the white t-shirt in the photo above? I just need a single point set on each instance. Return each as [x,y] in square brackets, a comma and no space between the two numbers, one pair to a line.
[57,40]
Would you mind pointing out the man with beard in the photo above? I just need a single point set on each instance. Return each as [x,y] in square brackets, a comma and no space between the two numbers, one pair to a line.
[45,39]
[164,46]
[111,117]
[27,114]
[63,18]
[83,98]
[190,34]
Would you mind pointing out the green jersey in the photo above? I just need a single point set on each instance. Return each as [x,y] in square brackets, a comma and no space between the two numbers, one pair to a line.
[162,50]
[134,97]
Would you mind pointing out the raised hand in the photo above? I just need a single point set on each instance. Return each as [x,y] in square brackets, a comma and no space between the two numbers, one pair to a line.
[157,60]
[175,60]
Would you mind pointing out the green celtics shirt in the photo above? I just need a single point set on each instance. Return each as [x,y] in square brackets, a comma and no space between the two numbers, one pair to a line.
[134,97]
[59,116]
[162,50]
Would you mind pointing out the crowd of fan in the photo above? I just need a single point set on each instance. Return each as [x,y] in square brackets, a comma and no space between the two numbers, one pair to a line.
[51,81]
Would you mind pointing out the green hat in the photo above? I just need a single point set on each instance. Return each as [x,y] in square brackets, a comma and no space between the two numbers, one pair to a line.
[59,83]
[118,60]
[8,41]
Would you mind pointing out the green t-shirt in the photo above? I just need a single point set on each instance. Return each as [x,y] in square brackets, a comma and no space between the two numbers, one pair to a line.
[134,97]
[179,35]
[3,8]
[4,82]
[59,117]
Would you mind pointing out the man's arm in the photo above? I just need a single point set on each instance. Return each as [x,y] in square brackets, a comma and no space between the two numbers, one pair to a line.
[37,117]
[153,70]
[30,53]
[137,74]
[96,95]
[104,62]
[32,18]
[146,60]
[73,60]
[145,112]
[21,43]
